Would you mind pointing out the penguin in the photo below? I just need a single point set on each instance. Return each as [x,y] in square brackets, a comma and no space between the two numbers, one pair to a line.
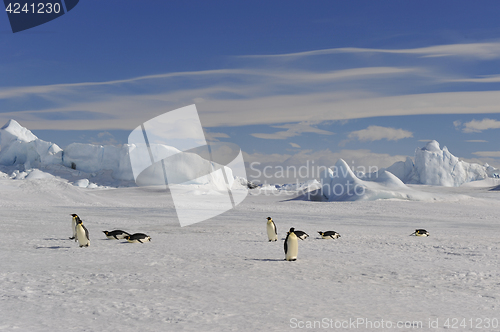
[301,235]
[420,232]
[329,235]
[116,234]
[82,234]
[291,245]
[137,237]
[73,224]
[272,231]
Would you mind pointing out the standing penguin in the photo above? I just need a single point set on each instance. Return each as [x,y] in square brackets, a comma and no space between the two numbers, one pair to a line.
[291,246]
[82,234]
[272,231]
[73,224]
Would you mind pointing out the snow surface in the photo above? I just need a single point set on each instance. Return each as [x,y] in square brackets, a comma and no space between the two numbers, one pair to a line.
[224,275]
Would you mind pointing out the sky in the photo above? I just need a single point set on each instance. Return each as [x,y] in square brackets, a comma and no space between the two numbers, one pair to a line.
[287,81]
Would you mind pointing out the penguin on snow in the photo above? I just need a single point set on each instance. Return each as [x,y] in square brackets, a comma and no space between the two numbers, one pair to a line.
[301,235]
[420,232]
[272,231]
[73,225]
[116,234]
[291,245]
[329,235]
[138,238]
[82,234]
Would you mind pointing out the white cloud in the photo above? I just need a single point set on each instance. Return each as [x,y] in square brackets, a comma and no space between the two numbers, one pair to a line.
[492,154]
[483,79]
[256,96]
[477,126]
[476,141]
[471,50]
[376,133]
[213,136]
[292,130]
[295,145]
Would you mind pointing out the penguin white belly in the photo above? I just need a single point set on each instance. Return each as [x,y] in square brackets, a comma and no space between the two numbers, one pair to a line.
[292,247]
[81,235]
[271,233]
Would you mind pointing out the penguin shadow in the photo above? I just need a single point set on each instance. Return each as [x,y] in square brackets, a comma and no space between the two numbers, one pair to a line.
[264,259]
[56,239]
[53,247]
[255,241]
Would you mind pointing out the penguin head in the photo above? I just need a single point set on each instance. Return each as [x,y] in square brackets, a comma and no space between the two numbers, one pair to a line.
[127,237]
[105,232]
[269,218]
[320,233]
[74,215]
[292,230]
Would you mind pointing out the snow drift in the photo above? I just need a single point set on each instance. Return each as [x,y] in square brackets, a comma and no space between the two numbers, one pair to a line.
[341,184]
[19,146]
[438,167]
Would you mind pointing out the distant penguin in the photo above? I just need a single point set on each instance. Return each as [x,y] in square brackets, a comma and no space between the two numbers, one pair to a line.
[116,234]
[301,235]
[272,231]
[291,245]
[82,234]
[137,237]
[329,235]
[73,225]
[420,232]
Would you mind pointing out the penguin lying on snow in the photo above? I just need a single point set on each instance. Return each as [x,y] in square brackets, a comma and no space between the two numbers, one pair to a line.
[137,237]
[301,235]
[291,245]
[82,234]
[116,234]
[420,232]
[329,235]
[272,231]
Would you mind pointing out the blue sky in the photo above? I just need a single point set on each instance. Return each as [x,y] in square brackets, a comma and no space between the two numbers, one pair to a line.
[288,81]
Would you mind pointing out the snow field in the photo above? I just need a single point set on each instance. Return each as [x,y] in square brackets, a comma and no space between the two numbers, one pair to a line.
[223,274]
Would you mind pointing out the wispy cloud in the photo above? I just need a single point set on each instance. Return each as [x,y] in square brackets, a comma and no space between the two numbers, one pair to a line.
[295,145]
[477,126]
[292,130]
[483,79]
[300,95]
[376,133]
[471,50]
[492,154]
